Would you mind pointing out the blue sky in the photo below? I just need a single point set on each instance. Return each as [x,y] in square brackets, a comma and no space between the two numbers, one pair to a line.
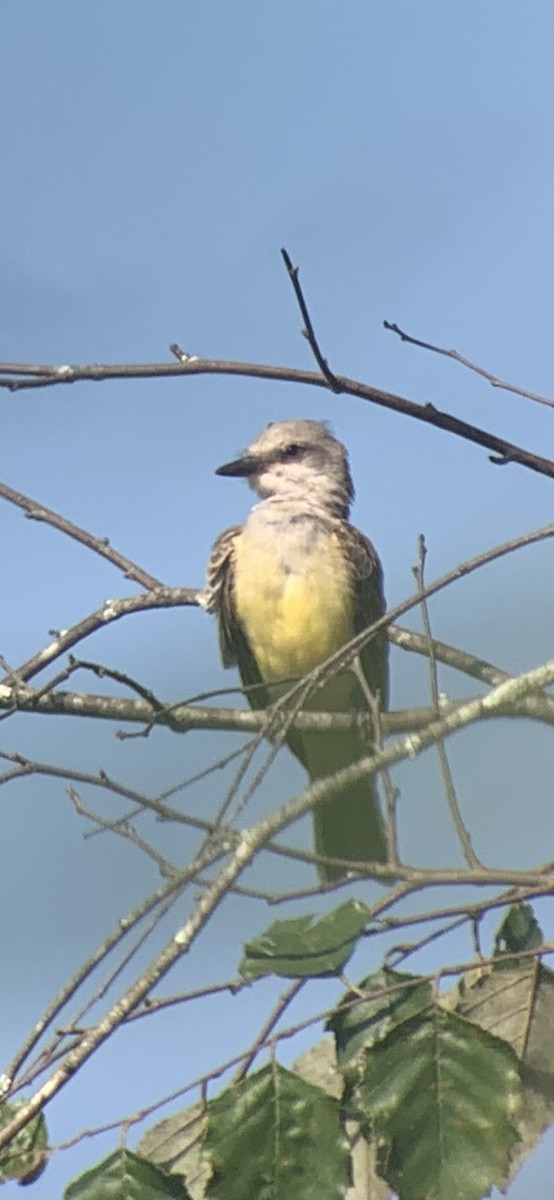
[156,157]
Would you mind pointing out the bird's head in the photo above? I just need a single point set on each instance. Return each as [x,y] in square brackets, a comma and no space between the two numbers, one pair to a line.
[297,459]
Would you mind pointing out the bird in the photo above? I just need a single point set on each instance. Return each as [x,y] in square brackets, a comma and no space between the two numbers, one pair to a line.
[291,586]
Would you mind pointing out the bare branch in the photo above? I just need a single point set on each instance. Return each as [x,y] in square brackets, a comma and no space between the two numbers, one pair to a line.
[308,330]
[268,1026]
[125,829]
[465,362]
[185,718]
[112,610]
[100,545]
[391,792]
[452,799]
[124,926]
[44,375]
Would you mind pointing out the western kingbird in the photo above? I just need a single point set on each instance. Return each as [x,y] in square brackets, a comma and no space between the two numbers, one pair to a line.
[290,587]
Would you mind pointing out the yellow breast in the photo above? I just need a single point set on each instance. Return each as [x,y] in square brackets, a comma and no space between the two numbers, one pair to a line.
[296,613]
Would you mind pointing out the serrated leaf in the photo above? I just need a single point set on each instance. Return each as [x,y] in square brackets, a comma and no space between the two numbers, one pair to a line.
[26,1157]
[126,1176]
[318,1066]
[443,1093]
[519,931]
[176,1144]
[359,1023]
[301,949]
[518,1006]
[274,1137]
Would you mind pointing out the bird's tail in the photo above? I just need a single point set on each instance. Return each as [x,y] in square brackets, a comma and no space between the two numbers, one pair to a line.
[349,825]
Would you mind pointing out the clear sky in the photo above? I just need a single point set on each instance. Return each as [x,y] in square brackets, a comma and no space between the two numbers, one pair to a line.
[155,158]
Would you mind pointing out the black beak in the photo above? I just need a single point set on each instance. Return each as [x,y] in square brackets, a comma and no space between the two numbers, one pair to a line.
[240,467]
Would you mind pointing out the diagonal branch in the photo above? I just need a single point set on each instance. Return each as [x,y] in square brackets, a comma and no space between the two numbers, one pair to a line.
[268,1026]
[465,362]
[450,791]
[39,512]
[308,330]
[68,991]
[111,610]
[18,376]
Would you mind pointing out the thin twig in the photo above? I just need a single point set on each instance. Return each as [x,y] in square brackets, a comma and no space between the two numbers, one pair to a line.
[111,610]
[74,1029]
[399,953]
[450,791]
[391,792]
[267,1028]
[177,885]
[100,545]
[21,691]
[124,926]
[308,331]
[103,672]
[154,1004]
[470,911]
[24,767]
[123,828]
[278,720]
[465,362]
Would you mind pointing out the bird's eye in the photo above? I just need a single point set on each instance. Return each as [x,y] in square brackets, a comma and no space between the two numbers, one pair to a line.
[293,450]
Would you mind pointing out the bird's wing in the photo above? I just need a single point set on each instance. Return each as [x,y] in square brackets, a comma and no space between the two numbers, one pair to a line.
[220,599]
[369,605]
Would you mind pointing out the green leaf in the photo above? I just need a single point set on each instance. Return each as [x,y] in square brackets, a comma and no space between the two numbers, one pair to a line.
[275,1137]
[176,1144]
[359,1023]
[519,930]
[299,948]
[518,1006]
[443,1093]
[26,1157]
[125,1176]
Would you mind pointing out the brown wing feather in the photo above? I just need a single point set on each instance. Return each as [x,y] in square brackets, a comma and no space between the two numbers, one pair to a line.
[367,581]
[220,599]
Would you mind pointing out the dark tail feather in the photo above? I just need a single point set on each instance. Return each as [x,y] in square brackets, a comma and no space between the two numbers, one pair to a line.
[350,826]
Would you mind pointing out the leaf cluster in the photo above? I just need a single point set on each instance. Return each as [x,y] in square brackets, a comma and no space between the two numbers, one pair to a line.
[435,1095]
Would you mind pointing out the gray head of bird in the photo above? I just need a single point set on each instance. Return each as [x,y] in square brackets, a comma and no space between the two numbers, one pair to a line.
[297,460]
